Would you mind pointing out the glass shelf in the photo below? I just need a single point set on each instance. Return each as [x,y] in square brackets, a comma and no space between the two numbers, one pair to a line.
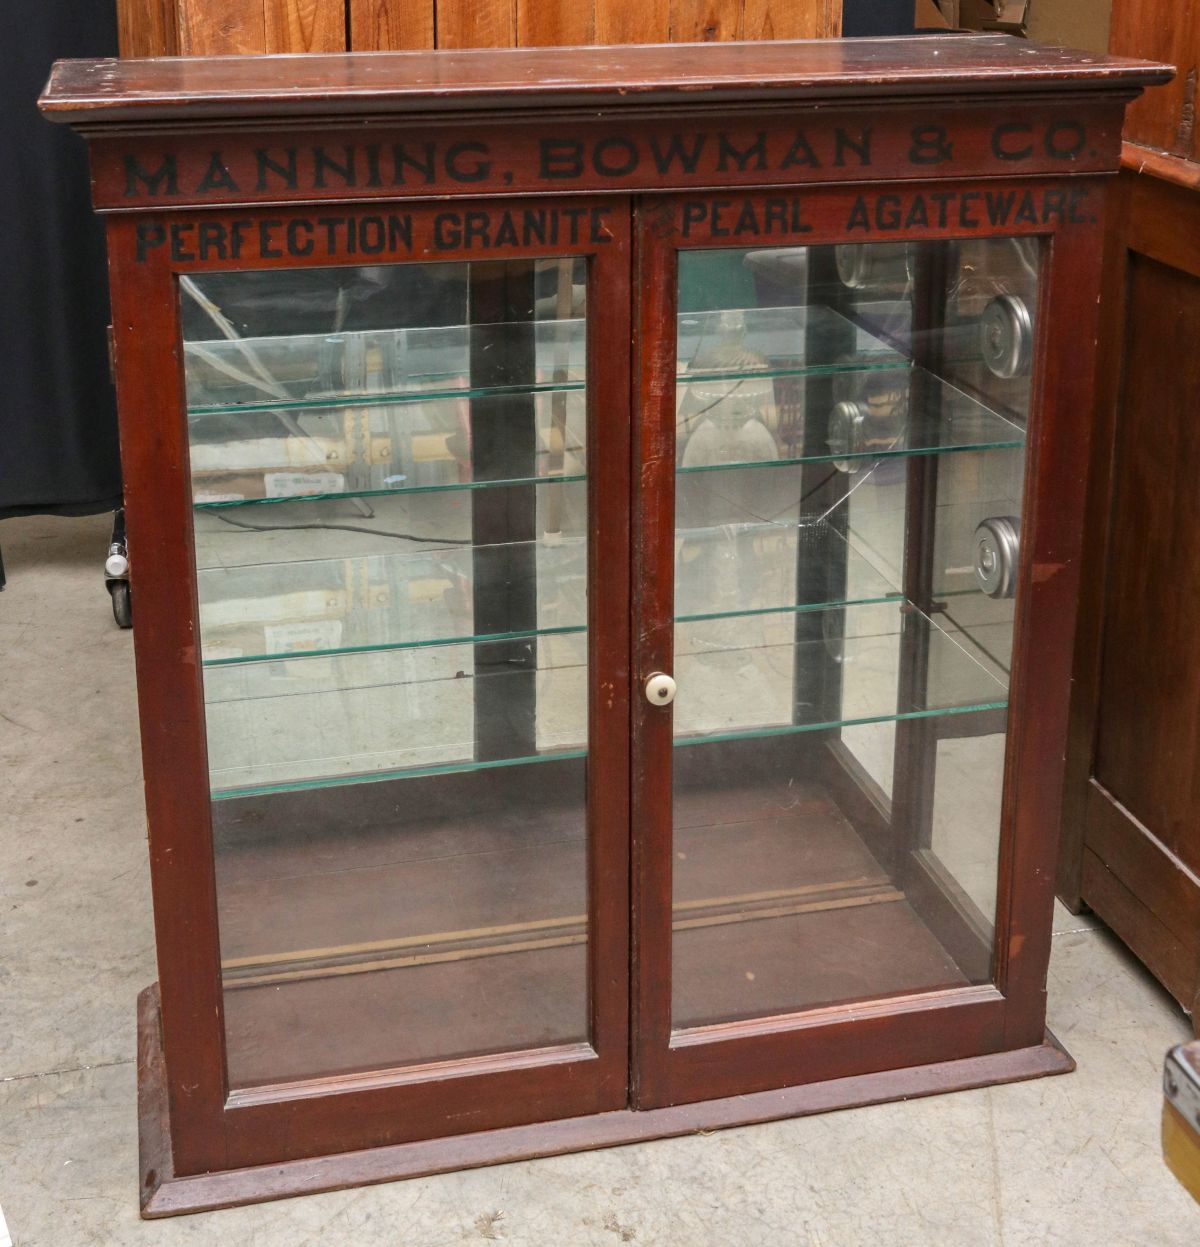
[302,722]
[374,366]
[399,366]
[740,343]
[319,496]
[737,682]
[412,599]
[243,456]
[877,421]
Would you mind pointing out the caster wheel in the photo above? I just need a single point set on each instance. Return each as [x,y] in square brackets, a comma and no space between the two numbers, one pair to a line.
[121,603]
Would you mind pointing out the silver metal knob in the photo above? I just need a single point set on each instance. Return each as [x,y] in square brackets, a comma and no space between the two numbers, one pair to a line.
[116,566]
[660,689]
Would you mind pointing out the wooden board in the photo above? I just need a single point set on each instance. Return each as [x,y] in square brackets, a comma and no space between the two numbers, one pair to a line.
[200,27]
[390,25]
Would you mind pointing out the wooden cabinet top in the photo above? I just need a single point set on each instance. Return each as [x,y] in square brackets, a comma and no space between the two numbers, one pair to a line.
[179,90]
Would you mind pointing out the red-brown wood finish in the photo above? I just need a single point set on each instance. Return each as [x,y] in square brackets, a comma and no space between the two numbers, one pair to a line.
[188,90]
[866,141]
[311,1118]
[1130,849]
[751,1056]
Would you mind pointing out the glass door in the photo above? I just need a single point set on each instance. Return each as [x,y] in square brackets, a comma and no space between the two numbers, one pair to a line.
[831,525]
[411,563]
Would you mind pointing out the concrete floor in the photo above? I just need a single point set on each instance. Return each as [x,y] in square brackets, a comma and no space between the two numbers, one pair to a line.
[1071,1160]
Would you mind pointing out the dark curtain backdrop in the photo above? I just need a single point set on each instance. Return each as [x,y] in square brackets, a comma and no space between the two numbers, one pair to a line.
[58,429]
[877,17]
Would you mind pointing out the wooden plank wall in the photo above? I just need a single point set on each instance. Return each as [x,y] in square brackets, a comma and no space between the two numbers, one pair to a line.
[223,27]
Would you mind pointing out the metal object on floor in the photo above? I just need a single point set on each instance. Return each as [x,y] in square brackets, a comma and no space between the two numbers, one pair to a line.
[1181,1115]
[116,572]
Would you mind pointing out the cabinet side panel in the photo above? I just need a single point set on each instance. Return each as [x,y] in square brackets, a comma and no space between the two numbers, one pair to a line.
[1164,117]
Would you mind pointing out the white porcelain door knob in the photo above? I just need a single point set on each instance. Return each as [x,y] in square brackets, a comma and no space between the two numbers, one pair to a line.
[660,689]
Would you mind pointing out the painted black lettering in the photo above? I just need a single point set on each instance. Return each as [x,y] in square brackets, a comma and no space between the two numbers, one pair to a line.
[535,225]
[1006,141]
[799,226]
[212,241]
[1026,211]
[330,225]
[801,154]
[752,157]
[149,235]
[560,158]
[447,231]
[299,239]
[424,165]
[506,235]
[930,146]
[266,245]
[999,205]
[887,212]
[716,209]
[943,200]
[461,168]
[399,232]
[163,181]
[674,151]
[861,147]
[1054,207]
[615,157]
[693,213]
[374,177]
[284,169]
[573,215]
[216,177]
[324,163]
[1075,202]
[965,216]
[180,243]
[747,222]
[237,237]
[475,227]
[371,235]
[859,218]
[1065,140]
[918,213]
[599,231]
[775,213]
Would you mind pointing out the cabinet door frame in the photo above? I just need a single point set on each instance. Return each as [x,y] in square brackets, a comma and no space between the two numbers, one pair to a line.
[212,1128]
[831,1043]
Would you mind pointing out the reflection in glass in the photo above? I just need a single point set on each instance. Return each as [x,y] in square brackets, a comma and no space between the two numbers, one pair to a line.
[851,425]
[389,468]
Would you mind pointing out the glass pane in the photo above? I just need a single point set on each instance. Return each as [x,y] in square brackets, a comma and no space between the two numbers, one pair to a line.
[851,424]
[389,477]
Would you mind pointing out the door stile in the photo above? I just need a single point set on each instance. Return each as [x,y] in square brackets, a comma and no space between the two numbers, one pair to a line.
[1044,644]
[653,641]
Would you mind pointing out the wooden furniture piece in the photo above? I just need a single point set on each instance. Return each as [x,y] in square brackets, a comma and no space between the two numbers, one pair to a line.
[1131,819]
[202,28]
[472,401]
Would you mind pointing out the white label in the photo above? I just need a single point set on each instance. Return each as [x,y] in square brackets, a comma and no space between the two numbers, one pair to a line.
[303,638]
[298,484]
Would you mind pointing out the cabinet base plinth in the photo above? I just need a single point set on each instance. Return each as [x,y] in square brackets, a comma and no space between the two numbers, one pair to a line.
[166,1194]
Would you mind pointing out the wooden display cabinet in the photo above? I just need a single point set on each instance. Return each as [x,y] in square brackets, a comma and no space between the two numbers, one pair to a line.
[475,404]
